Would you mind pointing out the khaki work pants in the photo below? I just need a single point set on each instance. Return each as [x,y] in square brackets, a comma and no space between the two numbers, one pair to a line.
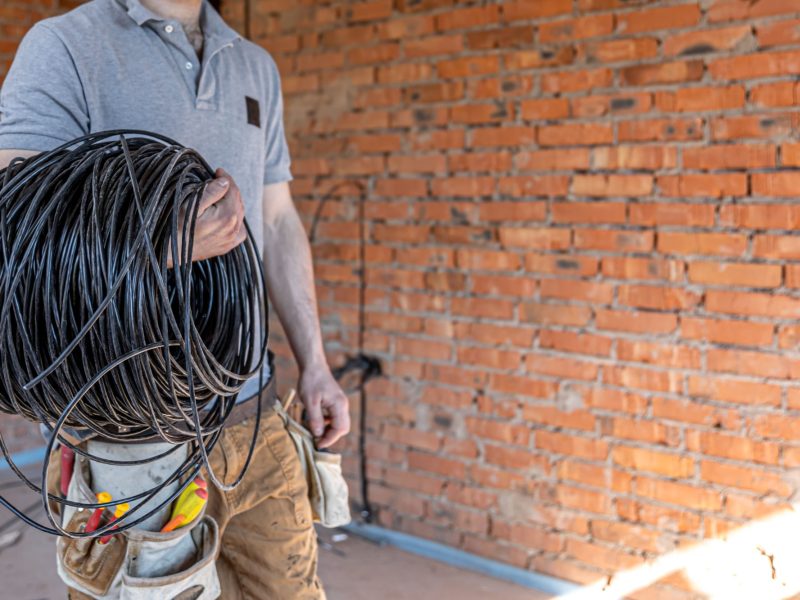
[268,543]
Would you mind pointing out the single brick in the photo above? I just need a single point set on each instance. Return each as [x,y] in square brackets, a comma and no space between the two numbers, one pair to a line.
[702,42]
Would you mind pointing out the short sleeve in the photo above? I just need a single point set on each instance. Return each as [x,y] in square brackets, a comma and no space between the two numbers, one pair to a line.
[277,163]
[42,104]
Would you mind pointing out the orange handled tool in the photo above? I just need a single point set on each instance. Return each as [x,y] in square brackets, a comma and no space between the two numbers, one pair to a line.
[94,520]
[120,510]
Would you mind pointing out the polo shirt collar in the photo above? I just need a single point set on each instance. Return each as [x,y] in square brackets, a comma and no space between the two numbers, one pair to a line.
[139,12]
[212,24]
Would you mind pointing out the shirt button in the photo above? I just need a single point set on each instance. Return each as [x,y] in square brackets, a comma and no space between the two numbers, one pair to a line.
[169,29]
[188,65]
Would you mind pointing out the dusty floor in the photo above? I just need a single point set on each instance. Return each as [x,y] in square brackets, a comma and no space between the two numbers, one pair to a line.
[359,570]
[354,569]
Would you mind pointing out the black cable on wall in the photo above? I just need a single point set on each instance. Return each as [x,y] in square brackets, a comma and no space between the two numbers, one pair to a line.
[368,365]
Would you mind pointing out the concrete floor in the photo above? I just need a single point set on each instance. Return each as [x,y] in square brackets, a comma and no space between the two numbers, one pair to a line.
[353,569]
[360,570]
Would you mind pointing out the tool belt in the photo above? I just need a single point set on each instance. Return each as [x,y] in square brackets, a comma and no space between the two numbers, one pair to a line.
[180,564]
[146,565]
[137,564]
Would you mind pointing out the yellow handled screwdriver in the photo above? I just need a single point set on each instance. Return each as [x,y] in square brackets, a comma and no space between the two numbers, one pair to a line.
[188,505]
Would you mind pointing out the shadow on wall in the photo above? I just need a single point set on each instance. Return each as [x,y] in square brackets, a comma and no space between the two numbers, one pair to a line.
[755,562]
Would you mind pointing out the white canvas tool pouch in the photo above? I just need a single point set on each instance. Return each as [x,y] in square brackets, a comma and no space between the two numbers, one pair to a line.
[150,573]
[327,488]
[138,564]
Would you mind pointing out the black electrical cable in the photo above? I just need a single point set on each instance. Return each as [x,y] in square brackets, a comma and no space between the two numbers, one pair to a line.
[369,366]
[366,507]
[98,332]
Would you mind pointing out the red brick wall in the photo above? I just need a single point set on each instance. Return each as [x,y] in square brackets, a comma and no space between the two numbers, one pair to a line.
[583,275]
[582,263]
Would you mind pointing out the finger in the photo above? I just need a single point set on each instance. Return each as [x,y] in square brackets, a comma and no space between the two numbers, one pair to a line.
[238,205]
[241,236]
[242,227]
[314,415]
[234,196]
[223,174]
[340,423]
[214,191]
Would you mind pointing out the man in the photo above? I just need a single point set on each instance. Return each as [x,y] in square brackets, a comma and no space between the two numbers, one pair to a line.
[174,67]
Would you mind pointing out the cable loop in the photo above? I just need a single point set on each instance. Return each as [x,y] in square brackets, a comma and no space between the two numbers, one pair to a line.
[96,331]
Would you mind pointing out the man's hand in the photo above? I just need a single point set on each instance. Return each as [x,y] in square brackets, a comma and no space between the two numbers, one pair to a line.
[326,405]
[220,220]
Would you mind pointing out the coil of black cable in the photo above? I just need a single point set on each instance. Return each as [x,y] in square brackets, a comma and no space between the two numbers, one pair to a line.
[97,330]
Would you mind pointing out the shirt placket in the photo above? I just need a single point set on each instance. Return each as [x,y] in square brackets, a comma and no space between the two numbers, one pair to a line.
[188,63]
[207,85]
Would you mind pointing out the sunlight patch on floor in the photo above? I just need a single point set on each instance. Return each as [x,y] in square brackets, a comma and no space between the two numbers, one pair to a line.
[758,560]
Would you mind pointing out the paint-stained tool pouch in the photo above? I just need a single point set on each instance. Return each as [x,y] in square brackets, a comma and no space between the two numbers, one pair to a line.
[85,563]
[327,488]
[138,564]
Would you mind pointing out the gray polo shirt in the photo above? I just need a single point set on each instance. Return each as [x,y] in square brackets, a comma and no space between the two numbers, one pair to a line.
[114,64]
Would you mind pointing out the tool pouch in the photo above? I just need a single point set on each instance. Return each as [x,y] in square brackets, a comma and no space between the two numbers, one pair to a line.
[151,573]
[327,488]
[85,561]
[138,564]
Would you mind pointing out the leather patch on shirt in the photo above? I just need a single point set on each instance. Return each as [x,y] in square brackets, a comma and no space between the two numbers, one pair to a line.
[253,111]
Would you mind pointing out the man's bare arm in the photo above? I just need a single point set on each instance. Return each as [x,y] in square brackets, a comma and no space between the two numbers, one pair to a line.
[290,278]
